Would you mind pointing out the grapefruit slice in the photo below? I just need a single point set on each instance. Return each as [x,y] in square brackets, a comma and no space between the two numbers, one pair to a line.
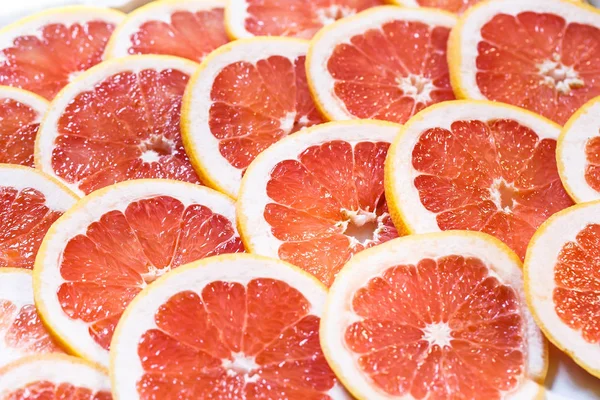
[116,241]
[245,96]
[233,326]
[20,115]
[184,28]
[30,202]
[296,18]
[475,165]
[539,54]
[118,121]
[578,153]
[561,282]
[386,63]
[316,197]
[21,330]
[54,377]
[436,316]
[455,6]
[44,52]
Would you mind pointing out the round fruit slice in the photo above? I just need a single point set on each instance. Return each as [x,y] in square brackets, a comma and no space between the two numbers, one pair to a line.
[21,330]
[297,18]
[538,54]
[316,197]
[234,326]
[245,96]
[387,63]
[116,241]
[52,377]
[435,316]
[578,153]
[118,121]
[30,202]
[455,6]
[184,28]
[20,115]
[475,165]
[44,52]
[562,282]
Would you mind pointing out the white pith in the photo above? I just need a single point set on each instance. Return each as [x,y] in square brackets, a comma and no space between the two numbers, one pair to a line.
[32,100]
[196,107]
[503,264]
[126,368]
[235,17]
[557,75]
[76,222]
[340,32]
[416,86]
[437,334]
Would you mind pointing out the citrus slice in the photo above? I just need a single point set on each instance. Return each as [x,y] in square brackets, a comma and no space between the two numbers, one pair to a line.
[45,51]
[578,153]
[436,316]
[455,6]
[386,63]
[118,121]
[316,197]
[21,330]
[184,28]
[20,115]
[234,326]
[54,377]
[475,165]
[30,202]
[539,54]
[296,18]
[245,96]
[116,241]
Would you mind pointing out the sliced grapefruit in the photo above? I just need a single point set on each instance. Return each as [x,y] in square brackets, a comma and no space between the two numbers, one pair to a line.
[184,28]
[386,63]
[541,55]
[21,330]
[20,115]
[455,6]
[475,165]
[44,52]
[30,201]
[436,316]
[54,377]
[316,197]
[118,121]
[229,327]
[116,241]
[245,96]
[296,18]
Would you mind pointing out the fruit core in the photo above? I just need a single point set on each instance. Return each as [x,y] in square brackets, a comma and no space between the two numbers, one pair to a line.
[155,147]
[503,195]
[416,86]
[562,77]
[332,13]
[361,226]
[438,334]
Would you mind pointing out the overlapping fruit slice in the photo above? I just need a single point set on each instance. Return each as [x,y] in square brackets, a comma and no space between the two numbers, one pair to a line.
[246,96]
[297,18]
[437,316]
[30,202]
[539,54]
[477,166]
[44,52]
[54,377]
[386,63]
[120,121]
[115,242]
[228,327]
[184,28]
[20,115]
[455,6]
[316,198]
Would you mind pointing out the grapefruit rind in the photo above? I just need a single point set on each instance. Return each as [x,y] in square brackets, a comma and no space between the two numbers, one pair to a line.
[255,231]
[542,254]
[47,132]
[402,196]
[202,147]
[73,334]
[503,263]
[125,367]
[320,81]
[570,151]
[161,10]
